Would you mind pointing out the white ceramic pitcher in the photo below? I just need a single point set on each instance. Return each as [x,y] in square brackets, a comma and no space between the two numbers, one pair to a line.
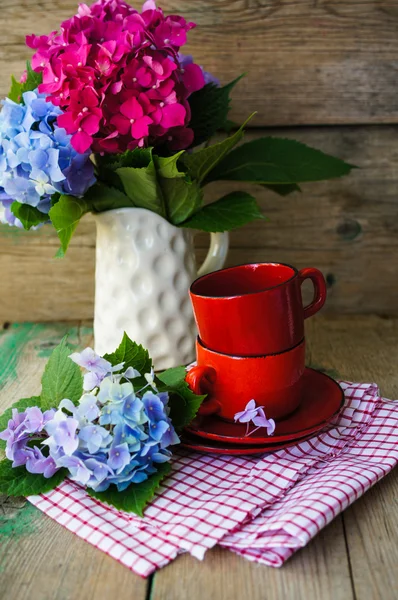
[144,268]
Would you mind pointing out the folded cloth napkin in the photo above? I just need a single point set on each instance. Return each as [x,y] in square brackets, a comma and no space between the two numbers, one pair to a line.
[263,508]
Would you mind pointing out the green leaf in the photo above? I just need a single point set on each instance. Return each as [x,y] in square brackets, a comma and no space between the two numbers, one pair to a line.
[231,211]
[135,498]
[132,354]
[142,187]
[209,110]
[184,404]
[103,197]
[200,163]
[230,126]
[61,379]
[15,93]
[182,196]
[65,216]
[107,165]
[28,215]
[167,166]
[139,157]
[19,482]
[33,79]
[282,190]
[278,161]
[20,405]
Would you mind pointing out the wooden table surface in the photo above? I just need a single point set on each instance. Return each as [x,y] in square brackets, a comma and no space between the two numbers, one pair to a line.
[354,558]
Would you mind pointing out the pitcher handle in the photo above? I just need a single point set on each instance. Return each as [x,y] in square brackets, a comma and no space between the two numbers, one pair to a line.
[217,254]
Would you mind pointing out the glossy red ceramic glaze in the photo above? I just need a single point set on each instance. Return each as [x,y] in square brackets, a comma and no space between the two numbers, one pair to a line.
[209,446]
[274,381]
[322,399]
[254,309]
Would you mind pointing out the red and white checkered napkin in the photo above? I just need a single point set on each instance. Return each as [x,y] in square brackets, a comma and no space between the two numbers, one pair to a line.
[264,508]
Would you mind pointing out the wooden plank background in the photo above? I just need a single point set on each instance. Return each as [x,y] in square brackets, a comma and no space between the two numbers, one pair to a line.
[353,558]
[322,71]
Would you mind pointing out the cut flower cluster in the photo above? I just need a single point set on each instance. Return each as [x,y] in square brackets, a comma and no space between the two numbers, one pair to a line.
[118,77]
[36,156]
[115,435]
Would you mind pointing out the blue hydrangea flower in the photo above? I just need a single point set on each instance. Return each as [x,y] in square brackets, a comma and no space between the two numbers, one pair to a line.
[93,437]
[36,156]
[114,436]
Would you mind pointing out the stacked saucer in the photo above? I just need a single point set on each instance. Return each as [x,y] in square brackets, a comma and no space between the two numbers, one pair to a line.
[322,399]
[251,362]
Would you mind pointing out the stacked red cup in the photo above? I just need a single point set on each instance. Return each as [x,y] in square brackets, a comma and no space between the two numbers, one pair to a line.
[251,344]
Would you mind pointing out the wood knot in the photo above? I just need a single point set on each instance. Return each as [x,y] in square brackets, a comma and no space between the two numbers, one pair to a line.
[349,229]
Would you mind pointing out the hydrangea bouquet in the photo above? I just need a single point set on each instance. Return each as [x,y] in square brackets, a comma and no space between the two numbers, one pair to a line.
[111,431]
[111,114]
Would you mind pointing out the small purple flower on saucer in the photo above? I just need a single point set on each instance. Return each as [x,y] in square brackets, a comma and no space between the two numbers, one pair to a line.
[256,415]
[248,414]
[262,421]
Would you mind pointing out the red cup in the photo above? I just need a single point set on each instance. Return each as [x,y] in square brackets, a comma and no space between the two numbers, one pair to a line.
[254,309]
[273,381]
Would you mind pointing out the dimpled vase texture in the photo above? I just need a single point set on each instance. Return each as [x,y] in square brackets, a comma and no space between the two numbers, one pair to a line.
[144,267]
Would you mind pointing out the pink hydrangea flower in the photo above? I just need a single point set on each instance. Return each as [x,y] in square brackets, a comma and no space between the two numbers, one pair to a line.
[116,74]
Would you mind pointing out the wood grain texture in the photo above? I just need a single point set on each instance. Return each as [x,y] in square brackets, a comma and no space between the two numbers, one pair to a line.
[319,571]
[39,560]
[347,228]
[366,350]
[308,62]
[47,562]
[359,349]
[341,563]
[371,527]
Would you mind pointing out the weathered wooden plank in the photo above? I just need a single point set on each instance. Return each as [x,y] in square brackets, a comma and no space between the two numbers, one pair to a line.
[371,527]
[50,559]
[359,349]
[319,571]
[348,228]
[366,350]
[38,558]
[307,62]
[24,351]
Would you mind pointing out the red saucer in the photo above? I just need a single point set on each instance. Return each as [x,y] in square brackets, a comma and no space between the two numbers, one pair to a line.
[192,442]
[322,399]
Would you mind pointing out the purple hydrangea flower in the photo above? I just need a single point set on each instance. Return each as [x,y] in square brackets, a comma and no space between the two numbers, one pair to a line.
[261,421]
[256,415]
[62,432]
[77,469]
[21,427]
[94,437]
[131,373]
[96,366]
[99,471]
[113,436]
[38,463]
[88,409]
[248,414]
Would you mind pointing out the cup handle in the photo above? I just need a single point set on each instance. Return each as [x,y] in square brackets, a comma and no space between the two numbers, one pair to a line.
[319,298]
[217,254]
[200,380]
